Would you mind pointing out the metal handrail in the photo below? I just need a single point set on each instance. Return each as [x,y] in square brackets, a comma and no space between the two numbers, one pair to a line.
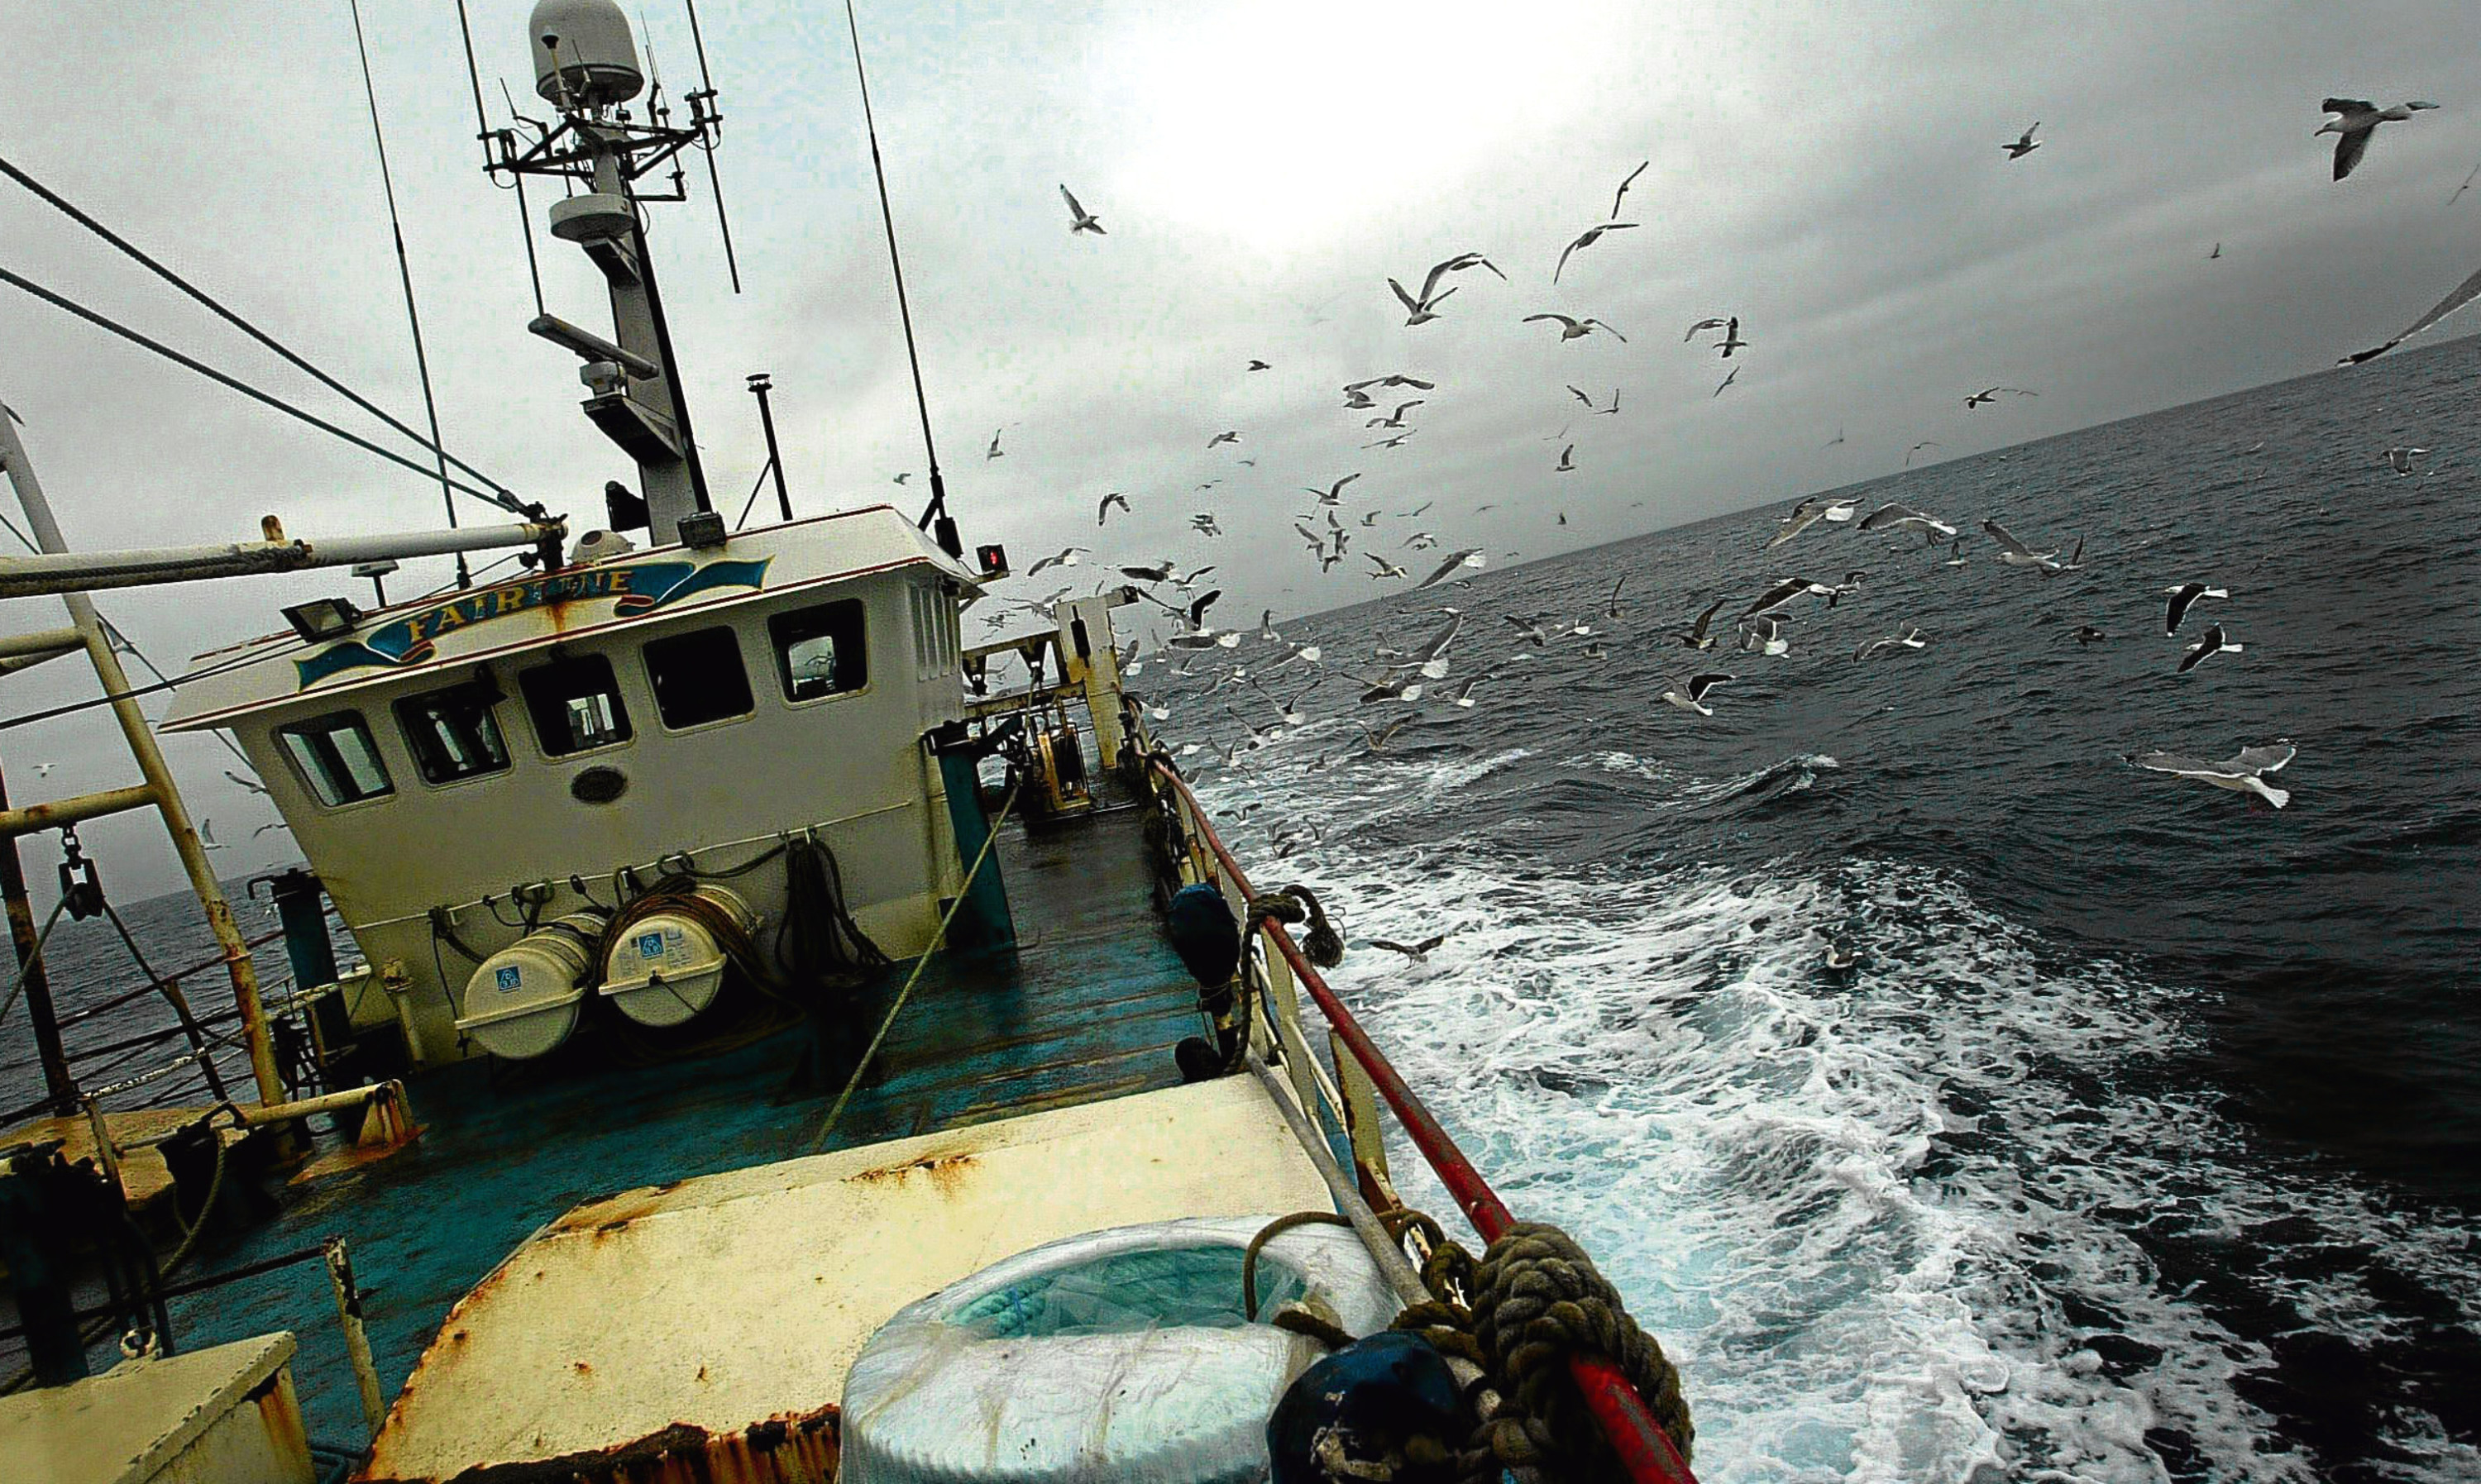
[1643,1447]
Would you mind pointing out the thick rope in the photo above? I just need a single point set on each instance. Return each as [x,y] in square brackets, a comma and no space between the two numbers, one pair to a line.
[938,935]
[1534,1300]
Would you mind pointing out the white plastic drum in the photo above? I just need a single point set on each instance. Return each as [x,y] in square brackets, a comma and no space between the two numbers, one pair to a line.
[667,966]
[1118,1355]
[523,999]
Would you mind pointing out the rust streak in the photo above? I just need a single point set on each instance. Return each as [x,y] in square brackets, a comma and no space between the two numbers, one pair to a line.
[946,1171]
[789,1447]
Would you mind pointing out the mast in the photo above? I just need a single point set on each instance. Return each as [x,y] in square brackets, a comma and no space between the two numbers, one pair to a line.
[586,66]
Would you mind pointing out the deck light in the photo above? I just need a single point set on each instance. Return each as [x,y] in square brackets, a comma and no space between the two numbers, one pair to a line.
[323,618]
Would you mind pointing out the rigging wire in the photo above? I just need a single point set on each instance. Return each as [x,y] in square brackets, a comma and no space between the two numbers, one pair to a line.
[405,274]
[68,209]
[714,178]
[504,501]
[903,308]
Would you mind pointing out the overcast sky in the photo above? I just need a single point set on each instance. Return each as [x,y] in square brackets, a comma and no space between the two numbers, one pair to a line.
[1829,172]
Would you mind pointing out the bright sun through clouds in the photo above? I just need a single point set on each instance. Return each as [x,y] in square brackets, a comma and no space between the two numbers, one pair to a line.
[1274,123]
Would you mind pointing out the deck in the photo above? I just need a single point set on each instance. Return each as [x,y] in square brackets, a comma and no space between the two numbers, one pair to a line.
[1088,1007]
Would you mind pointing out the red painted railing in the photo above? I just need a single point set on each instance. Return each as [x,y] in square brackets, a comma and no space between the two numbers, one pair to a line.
[1642,1445]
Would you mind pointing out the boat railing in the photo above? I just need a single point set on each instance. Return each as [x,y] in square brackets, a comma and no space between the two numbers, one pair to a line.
[1363,1081]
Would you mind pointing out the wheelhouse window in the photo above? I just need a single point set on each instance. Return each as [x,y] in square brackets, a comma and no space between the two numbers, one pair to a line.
[453,734]
[818,651]
[698,677]
[337,758]
[575,705]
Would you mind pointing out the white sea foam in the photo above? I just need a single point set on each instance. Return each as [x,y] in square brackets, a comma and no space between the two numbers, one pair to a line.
[1860,1281]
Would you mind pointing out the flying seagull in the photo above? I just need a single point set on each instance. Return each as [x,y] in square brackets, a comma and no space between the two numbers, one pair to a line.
[1622,192]
[1785,591]
[1702,325]
[2181,598]
[251,784]
[2024,144]
[1470,557]
[1910,638]
[1696,638]
[2217,252]
[1571,330]
[1763,635]
[1066,557]
[1416,951]
[1925,443]
[1258,365]
[994,451]
[1809,512]
[1688,693]
[2356,120]
[1837,438]
[1384,567]
[1567,461]
[1988,394]
[2243,773]
[1102,511]
[1422,310]
[1731,340]
[1892,516]
[1080,220]
[2401,458]
[1727,381]
[207,835]
[2015,554]
[2208,644]
[1592,235]
[1334,493]
[1223,437]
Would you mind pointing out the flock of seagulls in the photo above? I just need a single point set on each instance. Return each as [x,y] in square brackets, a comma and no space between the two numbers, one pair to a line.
[1397,674]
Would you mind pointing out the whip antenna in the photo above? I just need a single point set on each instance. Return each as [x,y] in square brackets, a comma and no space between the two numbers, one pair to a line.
[702,101]
[945,528]
[404,272]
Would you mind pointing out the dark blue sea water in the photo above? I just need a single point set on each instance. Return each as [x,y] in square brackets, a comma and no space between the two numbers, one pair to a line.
[2144,1138]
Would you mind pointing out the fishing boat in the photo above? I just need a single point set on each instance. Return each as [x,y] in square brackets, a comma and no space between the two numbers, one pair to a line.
[733,1038]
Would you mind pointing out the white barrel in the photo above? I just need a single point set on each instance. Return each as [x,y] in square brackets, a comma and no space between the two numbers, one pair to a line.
[523,999]
[1118,1355]
[667,966]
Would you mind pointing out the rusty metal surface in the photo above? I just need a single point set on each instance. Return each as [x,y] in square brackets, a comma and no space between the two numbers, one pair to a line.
[794,1447]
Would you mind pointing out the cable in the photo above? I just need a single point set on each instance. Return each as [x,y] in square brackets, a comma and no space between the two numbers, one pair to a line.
[9,723]
[751,503]
[508,503]
[61,204]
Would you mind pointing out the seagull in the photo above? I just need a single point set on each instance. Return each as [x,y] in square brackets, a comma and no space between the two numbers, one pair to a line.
[1700,328]
[1892,516]
[1470,557]
[1621,194]
[1688,693]
[1384,567]
[1612,603]
[2181,597]
[1810,513]
[1223,437]
[1080,220]
[1837,438]
[1333,494]
[1395,418]
[1988,394]
[2024,144]
[1613,410]
[1731,340]
[1455,265]
[1925,443]
[1431,657]
[2243,773]
[1571,330]
[2358,120]
[1696,637]
[1464,695]
[1910,638]
[1419,952]
[2210,642]
[1419,311]
[1592,235]
[1727,381]
[1066,557]
[2401,458]
[2015,554]
[251,784]
[1529,630]
[907,474]
[1393,440]
[1763,635]
[1567,461]
[1954,554]
[2217,252]
[1573,391]
[1840,953]
[1257,365]
[268,825]
[44,770]
[1379,738]
[207,835]
[2086,634]
[1160,572]
[993,452]
[1786,590]
[1102,511]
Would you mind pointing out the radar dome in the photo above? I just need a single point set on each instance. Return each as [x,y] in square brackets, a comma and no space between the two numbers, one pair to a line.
[583,54]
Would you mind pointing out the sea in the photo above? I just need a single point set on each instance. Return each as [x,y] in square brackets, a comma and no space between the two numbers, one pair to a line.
[2140,1140]
[2142,1137]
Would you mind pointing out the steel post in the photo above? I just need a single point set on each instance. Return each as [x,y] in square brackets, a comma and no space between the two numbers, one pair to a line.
[357,1343]
[58,1085]
[134,729]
